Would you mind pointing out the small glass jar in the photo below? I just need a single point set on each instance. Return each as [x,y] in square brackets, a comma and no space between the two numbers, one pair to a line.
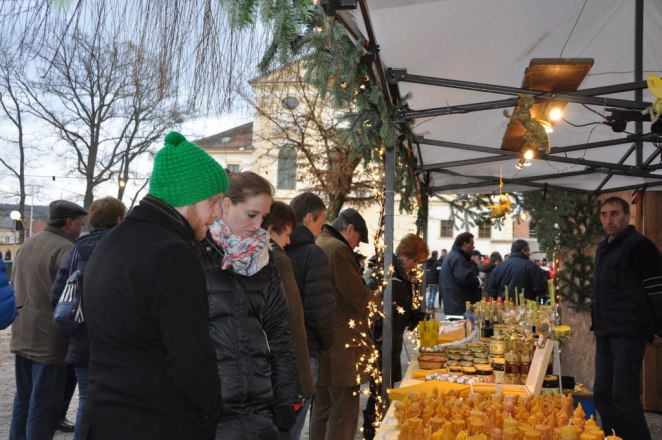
[453,366]
[498,367]
[480,361]
[485,372]
[511,370]
[497,346]
[550,385]
[469,370]
[524,363]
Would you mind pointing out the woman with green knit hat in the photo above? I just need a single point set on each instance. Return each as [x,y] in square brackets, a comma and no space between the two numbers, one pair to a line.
[152,365]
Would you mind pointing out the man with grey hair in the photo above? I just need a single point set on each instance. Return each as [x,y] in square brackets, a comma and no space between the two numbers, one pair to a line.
[336,408]
[39,347]
[519,273]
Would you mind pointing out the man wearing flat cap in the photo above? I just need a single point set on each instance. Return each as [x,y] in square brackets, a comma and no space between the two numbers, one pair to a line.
[152,365]
[336,406]
[39,347]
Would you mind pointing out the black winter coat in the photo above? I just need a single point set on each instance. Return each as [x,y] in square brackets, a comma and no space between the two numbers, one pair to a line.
[152,365]
[78,353]
[627,287]
[518,272]
[402,297]
[311,271]
[432,269]
[458,282]
[250,329]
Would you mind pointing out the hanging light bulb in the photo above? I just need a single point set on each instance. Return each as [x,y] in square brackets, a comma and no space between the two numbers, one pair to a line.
[555,114]
[523,216]
[528,154]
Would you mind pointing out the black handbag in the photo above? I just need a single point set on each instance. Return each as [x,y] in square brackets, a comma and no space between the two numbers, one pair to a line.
[68,313]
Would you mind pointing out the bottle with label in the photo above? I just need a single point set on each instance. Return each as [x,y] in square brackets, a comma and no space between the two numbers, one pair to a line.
[511,368]
[488,325]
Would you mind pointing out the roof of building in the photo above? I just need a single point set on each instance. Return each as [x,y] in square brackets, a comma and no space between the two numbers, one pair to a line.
[238,138]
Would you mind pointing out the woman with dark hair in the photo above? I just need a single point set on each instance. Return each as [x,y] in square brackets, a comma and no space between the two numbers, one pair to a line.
[104,214]
[249,323]
[280,224]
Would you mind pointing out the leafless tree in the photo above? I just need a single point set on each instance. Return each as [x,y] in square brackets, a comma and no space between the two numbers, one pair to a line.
[198,52]
[13,112]
[104,101]
[293,114]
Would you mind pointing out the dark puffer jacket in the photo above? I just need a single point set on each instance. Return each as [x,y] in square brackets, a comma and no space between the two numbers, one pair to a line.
[518,272]
[78,353]
[311,270]
[459,282]
[249,327]
[627,280]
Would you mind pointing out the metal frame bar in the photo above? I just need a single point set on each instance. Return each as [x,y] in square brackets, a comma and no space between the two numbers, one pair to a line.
[401,75]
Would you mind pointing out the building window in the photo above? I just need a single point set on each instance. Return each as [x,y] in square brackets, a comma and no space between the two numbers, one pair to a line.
[446,229]
[485,230]
[290,103]
[287,168]
[233,167]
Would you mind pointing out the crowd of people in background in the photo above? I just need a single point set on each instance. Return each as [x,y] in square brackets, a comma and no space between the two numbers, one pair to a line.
[213,311]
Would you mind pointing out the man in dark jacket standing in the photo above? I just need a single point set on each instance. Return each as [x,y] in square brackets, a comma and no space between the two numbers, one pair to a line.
[152,366]
[432,269]
[519,273]
[626,308]
[459,277]
[311,272]
[39,347]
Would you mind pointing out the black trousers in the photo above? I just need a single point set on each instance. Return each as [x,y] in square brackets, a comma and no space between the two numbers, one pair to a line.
[616,390]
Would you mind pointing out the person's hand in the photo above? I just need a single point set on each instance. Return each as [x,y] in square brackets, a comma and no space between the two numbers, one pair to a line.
[657,341]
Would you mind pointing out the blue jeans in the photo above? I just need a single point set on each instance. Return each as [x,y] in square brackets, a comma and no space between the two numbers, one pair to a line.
[295,432]
[38,399]
[616,389]
[82,376]
[434,288]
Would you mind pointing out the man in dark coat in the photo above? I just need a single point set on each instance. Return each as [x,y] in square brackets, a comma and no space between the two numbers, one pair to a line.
[152,365]
[432,269]
[311,271]
[459,277]
[626,308]
[519,273]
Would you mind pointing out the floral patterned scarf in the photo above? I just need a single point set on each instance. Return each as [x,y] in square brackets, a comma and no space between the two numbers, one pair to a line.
[246,256]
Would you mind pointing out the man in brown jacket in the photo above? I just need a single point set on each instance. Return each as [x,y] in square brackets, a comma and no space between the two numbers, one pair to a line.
[39,347]
[336,408]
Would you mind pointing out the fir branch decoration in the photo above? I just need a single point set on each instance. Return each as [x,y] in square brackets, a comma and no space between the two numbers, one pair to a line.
[568,224]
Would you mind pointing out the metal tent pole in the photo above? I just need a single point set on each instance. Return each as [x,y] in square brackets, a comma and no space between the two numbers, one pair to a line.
[389,203]
[639,74]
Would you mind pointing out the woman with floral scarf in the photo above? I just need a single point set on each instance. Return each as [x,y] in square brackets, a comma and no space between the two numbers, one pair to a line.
[248,317]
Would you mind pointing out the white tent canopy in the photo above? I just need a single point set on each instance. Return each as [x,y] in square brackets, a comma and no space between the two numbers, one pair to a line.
[471,46]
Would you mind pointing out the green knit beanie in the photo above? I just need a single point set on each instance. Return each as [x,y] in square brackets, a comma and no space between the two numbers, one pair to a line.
[184,173]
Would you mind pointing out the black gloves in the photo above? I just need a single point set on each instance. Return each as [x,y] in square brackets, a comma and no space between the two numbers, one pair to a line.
[285,416]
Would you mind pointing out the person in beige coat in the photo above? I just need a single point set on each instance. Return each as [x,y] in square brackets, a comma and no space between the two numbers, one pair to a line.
[39,347]
[336,406]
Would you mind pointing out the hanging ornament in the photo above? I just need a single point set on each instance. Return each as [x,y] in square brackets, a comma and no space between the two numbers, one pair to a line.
[504,206]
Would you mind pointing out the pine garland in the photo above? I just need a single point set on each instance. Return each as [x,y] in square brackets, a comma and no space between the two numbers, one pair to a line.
[568,224]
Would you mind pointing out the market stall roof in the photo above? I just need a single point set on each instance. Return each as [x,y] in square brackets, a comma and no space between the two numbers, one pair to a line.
[464,61]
